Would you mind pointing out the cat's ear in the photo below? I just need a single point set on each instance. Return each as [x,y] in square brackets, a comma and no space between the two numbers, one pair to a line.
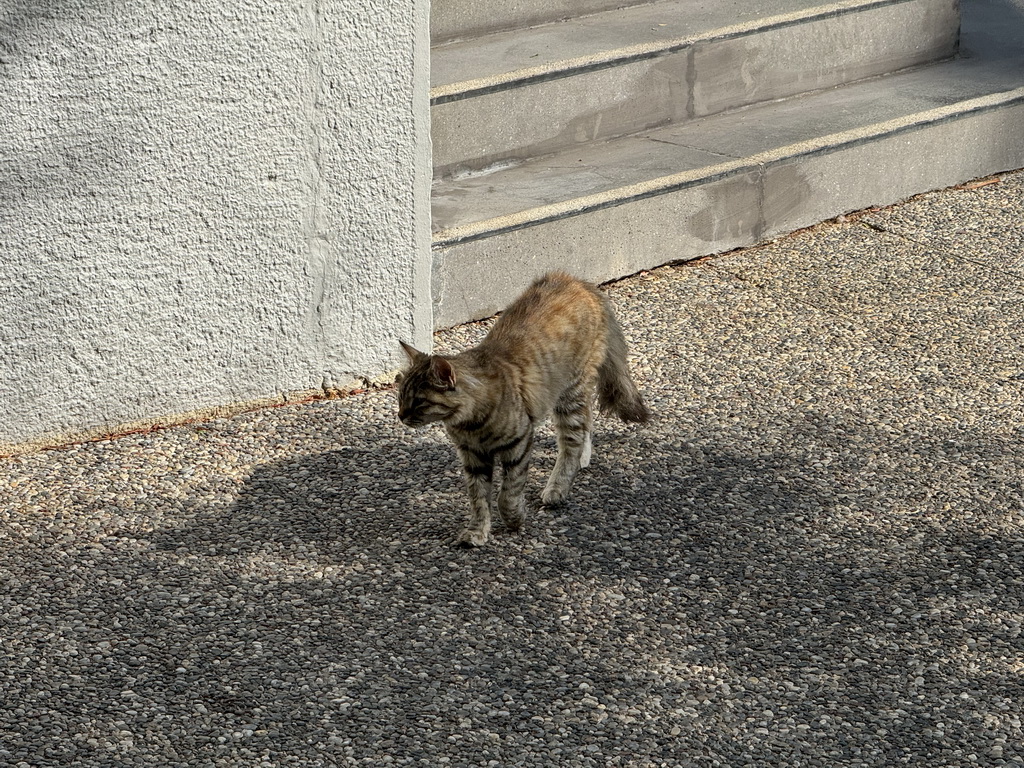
[442,372]
[411,352]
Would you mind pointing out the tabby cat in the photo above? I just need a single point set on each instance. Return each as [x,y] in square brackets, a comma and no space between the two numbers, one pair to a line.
[545,355]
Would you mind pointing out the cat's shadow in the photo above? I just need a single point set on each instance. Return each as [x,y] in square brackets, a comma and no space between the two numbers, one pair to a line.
[342,500]
[404,490]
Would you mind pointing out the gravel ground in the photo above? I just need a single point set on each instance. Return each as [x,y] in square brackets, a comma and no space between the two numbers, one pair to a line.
[813,557]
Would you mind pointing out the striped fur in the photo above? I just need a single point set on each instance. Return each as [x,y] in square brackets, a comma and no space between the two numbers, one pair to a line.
[545,356]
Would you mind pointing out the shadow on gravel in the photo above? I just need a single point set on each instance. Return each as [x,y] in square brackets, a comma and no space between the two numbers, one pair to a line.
[353,499]
[712,602]
[870,589]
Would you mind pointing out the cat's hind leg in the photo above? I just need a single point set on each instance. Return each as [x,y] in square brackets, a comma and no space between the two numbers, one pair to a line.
[572,417]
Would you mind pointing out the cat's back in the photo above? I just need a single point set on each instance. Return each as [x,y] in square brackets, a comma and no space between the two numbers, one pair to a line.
[556,309]
[551,340]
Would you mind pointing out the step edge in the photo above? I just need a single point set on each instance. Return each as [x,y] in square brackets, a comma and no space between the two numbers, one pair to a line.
[666,184]
[465,89]
[442,41]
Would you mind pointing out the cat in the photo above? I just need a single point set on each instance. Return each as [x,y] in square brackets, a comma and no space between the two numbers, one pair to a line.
[545,355]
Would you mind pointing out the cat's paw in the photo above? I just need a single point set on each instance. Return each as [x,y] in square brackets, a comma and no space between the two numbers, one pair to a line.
[513,520]
[554,497]
[471,537]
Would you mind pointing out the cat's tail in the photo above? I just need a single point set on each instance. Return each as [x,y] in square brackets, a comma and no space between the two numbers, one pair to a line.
[616,392]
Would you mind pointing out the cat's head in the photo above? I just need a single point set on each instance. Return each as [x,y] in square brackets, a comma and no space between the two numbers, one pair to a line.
[427,390]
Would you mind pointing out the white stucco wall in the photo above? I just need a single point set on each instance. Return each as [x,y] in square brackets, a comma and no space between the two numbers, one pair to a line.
[206,203]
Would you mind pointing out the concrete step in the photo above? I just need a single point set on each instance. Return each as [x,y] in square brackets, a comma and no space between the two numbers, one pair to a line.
[514,95]
[608,209]
[459,19]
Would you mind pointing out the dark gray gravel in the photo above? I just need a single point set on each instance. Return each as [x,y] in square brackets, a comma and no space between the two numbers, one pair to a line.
[813,557]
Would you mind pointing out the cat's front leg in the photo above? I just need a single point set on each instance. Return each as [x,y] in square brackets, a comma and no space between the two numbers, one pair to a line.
[478,471]
[515,465]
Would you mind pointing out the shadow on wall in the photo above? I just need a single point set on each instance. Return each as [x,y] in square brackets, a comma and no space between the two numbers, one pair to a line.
[992,28]
[78,166]
[17,16]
